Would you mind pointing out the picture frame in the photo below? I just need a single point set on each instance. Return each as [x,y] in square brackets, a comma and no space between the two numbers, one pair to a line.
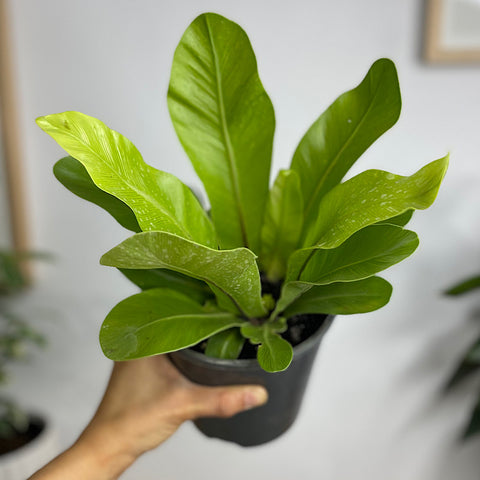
[13,222]
[452,31]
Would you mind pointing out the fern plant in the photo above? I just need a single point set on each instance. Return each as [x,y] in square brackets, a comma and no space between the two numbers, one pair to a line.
[318,241]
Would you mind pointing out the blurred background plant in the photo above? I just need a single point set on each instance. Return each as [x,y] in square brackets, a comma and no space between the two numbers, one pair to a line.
[470,363]
[17,339]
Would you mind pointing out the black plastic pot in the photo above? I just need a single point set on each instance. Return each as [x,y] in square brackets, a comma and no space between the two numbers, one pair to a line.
[285,390]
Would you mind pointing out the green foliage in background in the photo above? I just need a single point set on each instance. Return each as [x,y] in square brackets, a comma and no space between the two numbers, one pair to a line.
[470,364]
[17,337]
[320,241]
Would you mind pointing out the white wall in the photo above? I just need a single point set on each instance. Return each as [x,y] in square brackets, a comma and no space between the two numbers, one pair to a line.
[374,409]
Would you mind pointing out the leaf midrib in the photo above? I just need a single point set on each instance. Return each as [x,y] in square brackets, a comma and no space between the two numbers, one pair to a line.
[200,277]
[268,345]
[340,295]
[186,316]
[132,187]
[280,227]
[335,159]
[367,259]
[226,137]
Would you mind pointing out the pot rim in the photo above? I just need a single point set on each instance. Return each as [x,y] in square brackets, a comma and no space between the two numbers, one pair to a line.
[298,350]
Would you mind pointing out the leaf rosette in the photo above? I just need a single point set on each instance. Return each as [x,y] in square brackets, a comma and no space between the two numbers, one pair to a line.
[319,240]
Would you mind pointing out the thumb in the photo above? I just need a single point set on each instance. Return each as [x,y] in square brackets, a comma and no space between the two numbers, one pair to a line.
[223,401]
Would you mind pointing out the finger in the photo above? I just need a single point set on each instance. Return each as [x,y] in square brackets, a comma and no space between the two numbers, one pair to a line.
[223,401]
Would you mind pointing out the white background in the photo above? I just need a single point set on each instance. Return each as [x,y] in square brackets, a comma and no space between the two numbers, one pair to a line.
[374,408]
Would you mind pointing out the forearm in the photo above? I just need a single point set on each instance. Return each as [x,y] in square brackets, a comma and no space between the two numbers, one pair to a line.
[90,458]
[145,402]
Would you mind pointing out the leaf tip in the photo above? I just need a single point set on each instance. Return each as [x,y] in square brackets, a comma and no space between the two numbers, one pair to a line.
[42,121]
[385,61]
[105,260]
[446,160]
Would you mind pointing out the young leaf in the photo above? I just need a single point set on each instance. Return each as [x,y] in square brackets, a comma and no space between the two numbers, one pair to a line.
[371,197]
[159,321]
[74,176]
[365,253]
[225,122]
[344,131]
[282,224]
[163,278]
[343,298]
[274,353]
[234,273]
[159,200]
[227,344]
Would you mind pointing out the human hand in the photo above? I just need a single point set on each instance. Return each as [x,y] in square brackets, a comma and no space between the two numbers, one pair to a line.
[145,402]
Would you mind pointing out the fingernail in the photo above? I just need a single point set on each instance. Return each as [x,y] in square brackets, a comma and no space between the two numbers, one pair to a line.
[254,397]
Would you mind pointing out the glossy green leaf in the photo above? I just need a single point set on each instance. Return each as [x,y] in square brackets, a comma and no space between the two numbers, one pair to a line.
[465,286]
[274,353]
[225,122]
[159,321]
[227,344]
[234,273]
[344,131]
[400,220]
[343,298]
[371,197]
[163,278]
[159,200]
[365,253]
[282,224]
[74,176]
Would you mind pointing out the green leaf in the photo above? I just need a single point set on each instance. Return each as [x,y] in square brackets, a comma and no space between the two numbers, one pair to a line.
[365,253]
[159,321]
[473,355]
[282,225]
[400,220]
[464,370]
[371,197]
[225,122]
[274,353]
[227,344]
[74,176]
[234,273]
[473,427]
[469,365]
[12,277]
[343,298]
[159,200]
[163,278]
[465,286]
[343,132]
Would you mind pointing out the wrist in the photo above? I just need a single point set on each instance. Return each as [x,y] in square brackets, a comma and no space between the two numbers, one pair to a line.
[100,451]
